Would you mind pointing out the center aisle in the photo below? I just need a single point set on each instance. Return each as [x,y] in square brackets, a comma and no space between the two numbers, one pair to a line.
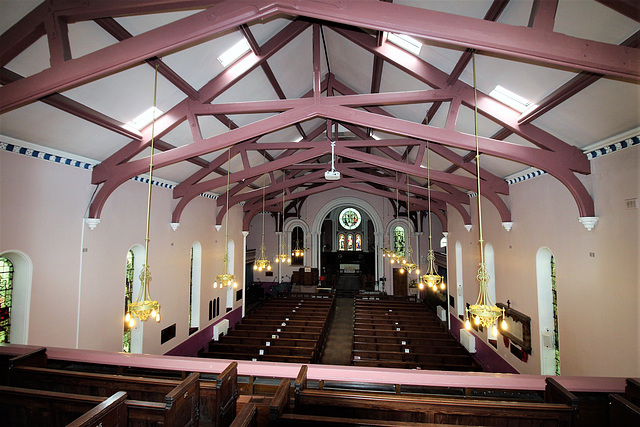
[337,349]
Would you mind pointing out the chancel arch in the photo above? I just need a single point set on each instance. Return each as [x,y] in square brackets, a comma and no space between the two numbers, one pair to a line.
[363,264]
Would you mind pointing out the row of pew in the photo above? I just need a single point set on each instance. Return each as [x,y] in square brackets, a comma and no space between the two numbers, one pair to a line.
[290,328]
[36,391]
[342,403]
[393,333]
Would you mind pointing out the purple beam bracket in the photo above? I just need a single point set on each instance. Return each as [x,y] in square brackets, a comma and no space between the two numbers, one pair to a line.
[275,188]
[111,59]
[514,41]
[487,106]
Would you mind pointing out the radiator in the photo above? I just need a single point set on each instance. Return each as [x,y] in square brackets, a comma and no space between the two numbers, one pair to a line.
[468,340]
[442,313]
[220,328]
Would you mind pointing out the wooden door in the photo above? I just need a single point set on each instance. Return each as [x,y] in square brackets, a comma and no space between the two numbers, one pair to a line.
[399,283]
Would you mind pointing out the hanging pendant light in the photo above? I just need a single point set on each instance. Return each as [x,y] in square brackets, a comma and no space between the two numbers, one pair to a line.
[484,312]
[144,306]
[283,256]
[432,279]
[225,279]
[262,263]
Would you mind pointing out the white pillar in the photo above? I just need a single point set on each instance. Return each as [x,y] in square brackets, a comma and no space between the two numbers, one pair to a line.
[244,273]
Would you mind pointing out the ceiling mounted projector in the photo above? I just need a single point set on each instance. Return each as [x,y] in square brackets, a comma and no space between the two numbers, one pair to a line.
[333,174]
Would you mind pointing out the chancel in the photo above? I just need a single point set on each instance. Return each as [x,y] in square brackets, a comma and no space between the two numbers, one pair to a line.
[427,208]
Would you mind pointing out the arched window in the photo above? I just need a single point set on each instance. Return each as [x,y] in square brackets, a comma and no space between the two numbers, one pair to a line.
[399,242]
[358,242]
[459,282]
[6,294]
[349,242]
[230,290]
[297,246]
[194,287]
[128,298]
[342,245]
[548,312]
[132,337]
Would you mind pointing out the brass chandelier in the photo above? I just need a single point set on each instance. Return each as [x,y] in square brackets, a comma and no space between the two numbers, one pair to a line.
[262,263]
[144,306]
[225,279]
[395,255]
[432,279]
[484,312]
[283,256]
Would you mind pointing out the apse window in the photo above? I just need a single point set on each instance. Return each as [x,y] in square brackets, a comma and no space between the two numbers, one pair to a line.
[408,43]
[145,118]
[234,53]
[511,99]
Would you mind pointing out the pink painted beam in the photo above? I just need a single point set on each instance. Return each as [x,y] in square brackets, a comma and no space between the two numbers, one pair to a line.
[570,88]
[120,33]
[275,188]
[79,110]
[189,193]
[23,34]
[208,92]
[515,41]
[132,51]
[74,11]
[58,38]
[487,106]
[628,8]
[543,15]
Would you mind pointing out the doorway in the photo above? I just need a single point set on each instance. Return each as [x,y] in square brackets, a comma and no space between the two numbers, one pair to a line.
[400,287]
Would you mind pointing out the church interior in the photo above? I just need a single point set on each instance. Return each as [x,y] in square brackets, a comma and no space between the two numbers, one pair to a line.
[398,198]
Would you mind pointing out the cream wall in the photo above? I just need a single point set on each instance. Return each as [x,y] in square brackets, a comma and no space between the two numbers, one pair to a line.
[597,271]
[41,212]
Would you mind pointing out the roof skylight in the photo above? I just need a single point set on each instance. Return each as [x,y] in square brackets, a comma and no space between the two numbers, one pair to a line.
[408,43]
[234,53]
[145,118]
[511,99]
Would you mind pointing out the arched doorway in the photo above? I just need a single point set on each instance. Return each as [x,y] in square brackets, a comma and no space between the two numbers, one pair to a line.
[346,243]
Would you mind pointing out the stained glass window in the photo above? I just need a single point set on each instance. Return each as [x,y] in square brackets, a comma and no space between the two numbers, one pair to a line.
[399,240]
[358,242]
[191,288]
[350,218]
[128,297]
[554,292]
[6,291]
[350,242]
[341,242]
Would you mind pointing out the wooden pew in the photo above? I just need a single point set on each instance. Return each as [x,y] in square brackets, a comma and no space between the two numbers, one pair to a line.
[215,398]
[247,417]
[623,412]
[256,357]
[419,408]
[632,391]
[27,407]
[110,413]
[179,400]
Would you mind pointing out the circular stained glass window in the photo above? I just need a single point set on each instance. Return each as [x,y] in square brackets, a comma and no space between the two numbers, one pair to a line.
[350,218]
